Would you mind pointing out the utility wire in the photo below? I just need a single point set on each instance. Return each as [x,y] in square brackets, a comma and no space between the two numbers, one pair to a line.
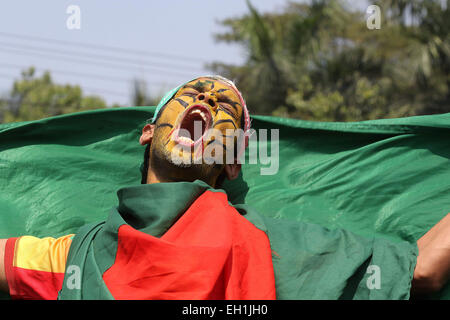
[103,47]
[98,64]
[103,58]
[100,57]
[83,75]
[96,90]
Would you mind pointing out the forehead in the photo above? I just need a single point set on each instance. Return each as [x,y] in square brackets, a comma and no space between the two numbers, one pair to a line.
[224,92]
[211,84]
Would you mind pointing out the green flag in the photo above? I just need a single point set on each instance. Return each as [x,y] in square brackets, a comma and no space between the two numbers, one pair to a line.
[388,179]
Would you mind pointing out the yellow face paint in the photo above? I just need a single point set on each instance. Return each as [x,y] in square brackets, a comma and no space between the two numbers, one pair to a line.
[203,112]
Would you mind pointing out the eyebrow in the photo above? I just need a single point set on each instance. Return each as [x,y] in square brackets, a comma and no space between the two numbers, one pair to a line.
[164,124]
[201,87]
[224,98]
[227,112]
[182,102]
[197,86]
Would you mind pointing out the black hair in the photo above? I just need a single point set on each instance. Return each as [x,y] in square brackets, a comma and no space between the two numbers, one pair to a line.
[144,166]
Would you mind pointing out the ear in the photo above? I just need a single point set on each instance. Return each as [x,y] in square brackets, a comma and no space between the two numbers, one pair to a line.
[232,170]
[147,134]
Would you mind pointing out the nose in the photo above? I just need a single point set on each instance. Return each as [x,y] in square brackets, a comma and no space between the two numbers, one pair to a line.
[208,98]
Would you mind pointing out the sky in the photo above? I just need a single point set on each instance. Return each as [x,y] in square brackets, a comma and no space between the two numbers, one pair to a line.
[164,42]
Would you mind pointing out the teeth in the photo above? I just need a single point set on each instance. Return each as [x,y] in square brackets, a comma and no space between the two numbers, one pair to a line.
[202,114]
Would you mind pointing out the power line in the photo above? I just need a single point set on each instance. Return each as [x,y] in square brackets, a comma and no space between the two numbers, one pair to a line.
[86,75]
[103,47]
[96,56]
[122,94]
[103,91]
[98,64]
[80,74]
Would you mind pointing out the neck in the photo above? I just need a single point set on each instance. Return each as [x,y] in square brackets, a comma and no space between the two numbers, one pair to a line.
[160,170]
[153,178]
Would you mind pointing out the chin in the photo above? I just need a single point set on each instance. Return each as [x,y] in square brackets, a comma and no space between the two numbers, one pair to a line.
[166,170]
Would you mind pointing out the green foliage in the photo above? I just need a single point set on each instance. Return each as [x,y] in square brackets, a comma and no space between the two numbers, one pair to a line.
[34,98]
[141,97]
[319,61]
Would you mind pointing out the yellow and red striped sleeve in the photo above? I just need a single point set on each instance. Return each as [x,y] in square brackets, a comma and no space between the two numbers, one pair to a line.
[35,267]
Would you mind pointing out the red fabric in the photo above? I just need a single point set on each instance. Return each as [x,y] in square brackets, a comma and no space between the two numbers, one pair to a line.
[35,285]
[8,263]
[211,252]
[29,284]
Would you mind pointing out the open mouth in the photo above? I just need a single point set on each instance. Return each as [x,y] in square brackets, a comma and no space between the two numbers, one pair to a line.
[193,126]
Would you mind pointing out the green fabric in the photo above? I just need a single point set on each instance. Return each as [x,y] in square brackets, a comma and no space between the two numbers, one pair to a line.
[311,262]
[387,179]
[85,282]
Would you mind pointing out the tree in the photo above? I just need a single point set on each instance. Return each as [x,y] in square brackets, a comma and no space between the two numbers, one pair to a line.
[34,98]
[141,97]
[319,61]
[426,25]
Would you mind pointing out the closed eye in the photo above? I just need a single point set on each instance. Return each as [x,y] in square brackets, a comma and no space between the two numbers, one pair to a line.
[190,94]
[223,98]
[227,109]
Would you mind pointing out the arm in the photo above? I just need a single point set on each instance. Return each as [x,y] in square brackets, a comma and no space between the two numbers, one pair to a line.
[29,258]
[3,282]
[433,262]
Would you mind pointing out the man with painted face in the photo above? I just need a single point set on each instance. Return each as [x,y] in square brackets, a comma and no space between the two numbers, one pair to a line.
[218,109]
[172,237]
[176,236]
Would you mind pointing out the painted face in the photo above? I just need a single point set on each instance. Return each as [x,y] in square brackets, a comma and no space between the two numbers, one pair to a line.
[197,121]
